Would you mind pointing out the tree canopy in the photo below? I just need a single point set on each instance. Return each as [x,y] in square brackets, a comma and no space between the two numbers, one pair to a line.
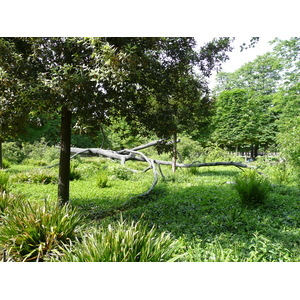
[94,79]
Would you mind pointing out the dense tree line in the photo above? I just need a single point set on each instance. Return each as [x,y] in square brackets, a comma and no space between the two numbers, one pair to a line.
[257,105]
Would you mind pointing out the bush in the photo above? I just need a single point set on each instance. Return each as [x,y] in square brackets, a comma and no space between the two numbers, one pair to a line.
[252,188]
[4,177]
[190,150]
[12,152]
[40,152]
[121,172]
[124,243]
[101,179]
[34,233]
[5,163]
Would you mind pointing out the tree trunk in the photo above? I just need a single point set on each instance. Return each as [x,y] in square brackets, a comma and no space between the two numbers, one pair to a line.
[64,163]
[255,151]
[174,159]
[1,162]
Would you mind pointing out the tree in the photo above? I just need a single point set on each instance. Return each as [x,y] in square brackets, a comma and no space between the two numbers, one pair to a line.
[287,108]
[93,79]
[13,112]
[288,54]
[242,118]
[251,118]
[182,101]
[261,76]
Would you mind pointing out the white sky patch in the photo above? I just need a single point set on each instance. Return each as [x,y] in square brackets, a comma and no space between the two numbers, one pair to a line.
[238,58]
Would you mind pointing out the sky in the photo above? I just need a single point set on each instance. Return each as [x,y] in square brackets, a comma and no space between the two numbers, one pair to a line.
[238,58]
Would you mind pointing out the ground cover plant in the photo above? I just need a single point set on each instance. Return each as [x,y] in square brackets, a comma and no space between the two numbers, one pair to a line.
[198,209]
[123,242]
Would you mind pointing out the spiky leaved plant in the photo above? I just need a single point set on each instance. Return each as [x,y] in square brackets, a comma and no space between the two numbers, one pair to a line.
[123,242]
[31,232]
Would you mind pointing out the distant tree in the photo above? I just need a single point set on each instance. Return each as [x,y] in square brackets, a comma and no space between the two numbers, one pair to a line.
[242,118]
[287,108]
[261,76]
[287,53]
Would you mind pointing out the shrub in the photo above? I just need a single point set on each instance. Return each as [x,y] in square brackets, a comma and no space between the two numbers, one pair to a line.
[216,153]
[40,151]
[190,150]
[5,163]
[34,233]
[12,152]
[121,172]
[252,188]
[124,243]
[4,177]
[101,179]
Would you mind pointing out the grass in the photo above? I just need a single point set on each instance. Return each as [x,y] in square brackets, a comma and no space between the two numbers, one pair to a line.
[201,208]
[124,242]
[31,232]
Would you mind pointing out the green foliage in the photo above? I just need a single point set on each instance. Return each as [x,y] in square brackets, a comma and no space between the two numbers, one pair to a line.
[252,188]
[215,153]
[121,135]
[31,232]
[4,178]
[120,172]
[5,163]
[12,152]
[192,170]
[44,176]
[124,242]
[189,149]
[276,168]
[226,248]
[287,102]
[201,211]
[40,153]
[101,179]
[243,118]
[8,202]
[74,170]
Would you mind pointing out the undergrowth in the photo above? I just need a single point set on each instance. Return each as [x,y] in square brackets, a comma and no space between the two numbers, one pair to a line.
[200,207]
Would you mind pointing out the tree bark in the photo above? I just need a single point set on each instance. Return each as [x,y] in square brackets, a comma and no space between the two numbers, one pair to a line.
[64,163]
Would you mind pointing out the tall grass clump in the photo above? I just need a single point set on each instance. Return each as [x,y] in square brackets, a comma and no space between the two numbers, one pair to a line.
[124,242]
[74,171]
[31,232]
[36,176]
[101,179]
[8,202]
[252,188]
[4,177]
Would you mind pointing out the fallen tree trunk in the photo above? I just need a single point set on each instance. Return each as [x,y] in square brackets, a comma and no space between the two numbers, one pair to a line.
[133,154]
